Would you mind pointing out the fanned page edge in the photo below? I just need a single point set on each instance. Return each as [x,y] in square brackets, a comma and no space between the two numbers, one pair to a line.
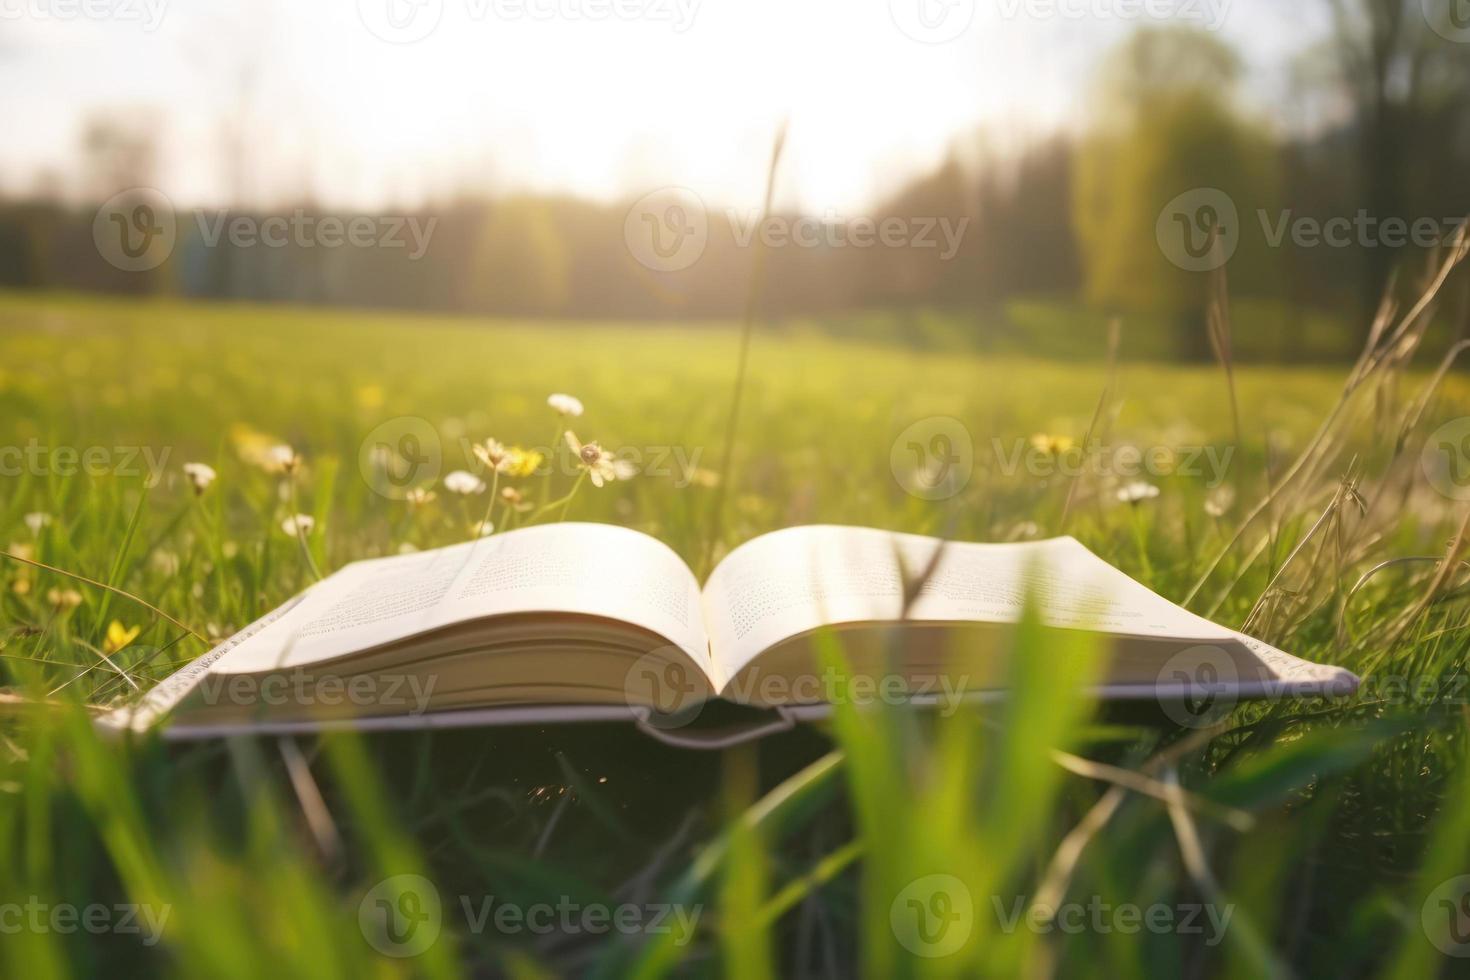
[156,705]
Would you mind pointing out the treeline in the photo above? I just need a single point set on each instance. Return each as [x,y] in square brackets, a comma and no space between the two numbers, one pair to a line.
[1315,221]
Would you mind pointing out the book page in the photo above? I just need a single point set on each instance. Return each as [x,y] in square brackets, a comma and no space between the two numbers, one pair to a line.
[783,584]
[578,569]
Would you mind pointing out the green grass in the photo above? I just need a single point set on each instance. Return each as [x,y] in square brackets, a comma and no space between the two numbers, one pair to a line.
[1322,829]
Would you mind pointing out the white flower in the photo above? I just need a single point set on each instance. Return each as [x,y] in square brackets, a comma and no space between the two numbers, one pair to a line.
[600,464]
[565,405]
[298,526]
[200,475]
[1138,490]
[279,459]
[419,496]
[37,520]
[1219,500]
[464,483]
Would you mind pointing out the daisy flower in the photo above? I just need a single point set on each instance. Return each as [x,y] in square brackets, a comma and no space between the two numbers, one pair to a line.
[418,496]
[63,599]
[1137,491]
[298,525]
[600,464]
[200,475]
[565,405]
[492,453]
[1219,500]
[464,483]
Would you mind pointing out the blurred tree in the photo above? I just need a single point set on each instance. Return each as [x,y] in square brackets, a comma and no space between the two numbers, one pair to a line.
[1407,81]
[1166,126]
[520,264]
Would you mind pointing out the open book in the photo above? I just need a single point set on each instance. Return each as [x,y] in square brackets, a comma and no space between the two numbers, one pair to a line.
[594,621]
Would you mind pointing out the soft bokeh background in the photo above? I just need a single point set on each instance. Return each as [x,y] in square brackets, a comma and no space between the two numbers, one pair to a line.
[1051,137]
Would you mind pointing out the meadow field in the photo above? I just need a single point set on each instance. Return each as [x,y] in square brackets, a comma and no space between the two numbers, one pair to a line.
[1041,837]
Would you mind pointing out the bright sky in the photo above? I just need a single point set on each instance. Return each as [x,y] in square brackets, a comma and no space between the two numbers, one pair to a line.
[538,94]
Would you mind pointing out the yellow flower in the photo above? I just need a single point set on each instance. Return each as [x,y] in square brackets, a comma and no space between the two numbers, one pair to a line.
[1051,445]
[521,462]
[119,636]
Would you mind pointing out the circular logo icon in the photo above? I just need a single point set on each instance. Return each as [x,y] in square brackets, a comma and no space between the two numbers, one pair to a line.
[401,916]
[135,230]
[1199,230]
[933,916]
[662,681]
[933,458]
[401,454]
[667,230]
[400,21]
[1446,459]
[1446,917]
[1450,21]
[1199,686]
[932,21]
